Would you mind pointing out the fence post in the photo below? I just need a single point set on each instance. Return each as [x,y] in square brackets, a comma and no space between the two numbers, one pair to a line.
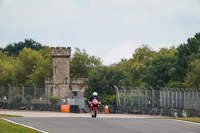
[198,105]
[124,96]
[188,97]
[9,94]
[172,98]
[193,99]
[196,101]
[145,96]
[163,96]
[179,97]
[138,96]
[22,91]
[167,97]
[176,97]
[34,93]
[131,96]
[183,97]
[58,94]
[47,95]
[117,96]
[152,96]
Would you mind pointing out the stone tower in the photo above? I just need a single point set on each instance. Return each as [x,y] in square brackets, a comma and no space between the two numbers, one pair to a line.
[59,85]
[61,59]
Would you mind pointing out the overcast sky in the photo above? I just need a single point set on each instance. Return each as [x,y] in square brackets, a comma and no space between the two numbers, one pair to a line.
[109,29]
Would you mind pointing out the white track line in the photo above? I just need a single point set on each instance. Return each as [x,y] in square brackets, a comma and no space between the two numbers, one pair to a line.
[24,125]
[186,121]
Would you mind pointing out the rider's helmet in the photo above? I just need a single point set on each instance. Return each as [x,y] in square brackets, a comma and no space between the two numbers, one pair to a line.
[95,94]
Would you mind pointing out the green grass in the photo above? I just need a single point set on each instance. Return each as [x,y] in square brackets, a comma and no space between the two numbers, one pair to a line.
[191,119]
[8,127]
[4,116]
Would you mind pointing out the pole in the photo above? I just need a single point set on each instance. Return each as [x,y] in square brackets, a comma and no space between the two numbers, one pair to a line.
[34,93]
[117,96]
[145,96]
[58,94]
[131,96]
[22,91]
[124,96]
[167,97]
[183,97]
[188,97]
[176,97]
[9,94]
[180,97]
[138,96]
[163,96]
[47,93]
[152,96]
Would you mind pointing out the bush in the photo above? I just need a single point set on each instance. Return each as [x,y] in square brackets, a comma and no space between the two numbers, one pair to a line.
[17,99]
[109,100]
[28,98]
[53,99]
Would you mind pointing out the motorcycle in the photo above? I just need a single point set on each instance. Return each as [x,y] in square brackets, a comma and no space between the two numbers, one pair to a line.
[94,107]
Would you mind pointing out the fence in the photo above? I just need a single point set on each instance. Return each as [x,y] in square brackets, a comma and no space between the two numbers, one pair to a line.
[38,95]
[179,98]
[31,94]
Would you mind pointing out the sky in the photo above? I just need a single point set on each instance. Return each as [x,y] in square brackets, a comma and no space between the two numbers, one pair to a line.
[109,29]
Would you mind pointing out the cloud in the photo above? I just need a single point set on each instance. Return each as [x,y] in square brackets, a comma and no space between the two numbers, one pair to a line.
[122,51]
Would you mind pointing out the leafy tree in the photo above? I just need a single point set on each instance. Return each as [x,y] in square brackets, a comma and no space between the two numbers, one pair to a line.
[15,48]
[137,65]
[185,55]
[192,79]
[160,71]
[81,64]
[102,81]
[7,69]
[43,68]
[34,66]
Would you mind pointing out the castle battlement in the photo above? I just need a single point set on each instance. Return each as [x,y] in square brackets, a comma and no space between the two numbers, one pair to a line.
[60,51]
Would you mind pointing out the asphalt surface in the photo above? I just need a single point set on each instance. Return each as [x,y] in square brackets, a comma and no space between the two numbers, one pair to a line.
[107,125]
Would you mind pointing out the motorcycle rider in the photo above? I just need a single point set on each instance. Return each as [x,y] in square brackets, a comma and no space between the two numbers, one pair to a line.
[94,96]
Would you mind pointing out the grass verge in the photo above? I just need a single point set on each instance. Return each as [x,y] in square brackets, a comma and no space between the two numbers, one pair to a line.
[8,127]
[190,119]
[4,116]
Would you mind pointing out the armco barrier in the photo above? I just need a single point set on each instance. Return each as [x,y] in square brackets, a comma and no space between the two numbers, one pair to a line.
[39,107]
[155,111]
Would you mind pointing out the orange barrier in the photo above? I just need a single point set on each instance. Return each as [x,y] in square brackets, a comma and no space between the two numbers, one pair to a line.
[107,109]
[65,108]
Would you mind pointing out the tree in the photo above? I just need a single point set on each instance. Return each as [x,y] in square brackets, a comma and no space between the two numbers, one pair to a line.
[102,81]
[185,55]
[35,66]
[137,65]
[7,69]
[15,48]
[159,73]
[81,64]
[43,69]
[192,79]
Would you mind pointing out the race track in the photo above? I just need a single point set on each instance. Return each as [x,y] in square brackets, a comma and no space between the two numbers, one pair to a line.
[107,125]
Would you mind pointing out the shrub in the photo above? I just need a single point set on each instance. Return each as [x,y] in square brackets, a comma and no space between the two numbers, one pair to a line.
[28,98]
[53,99]
[17,99]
